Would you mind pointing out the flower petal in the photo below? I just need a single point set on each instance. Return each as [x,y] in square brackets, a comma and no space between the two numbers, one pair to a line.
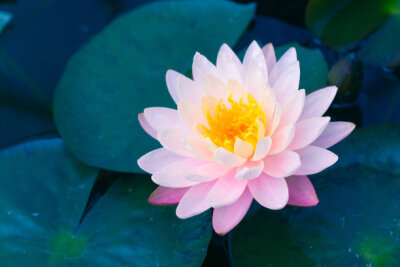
[291,109]
[188,91]
[226,190]
[243,148]
[229,65]
[318,102]
[162,118]
[190,115]
[269,55]
[282,138]
[214,86]
[172,175]
[307,131]
[314,159]
[206,172]
[334,133]
[227,158]
[201,67]
[172,81]
[287,83]
[146,126]
[301,191]
[262,148]
[256,80]
[157,159]
[270,192]
[255,54]
[198,148]
[250,170]
[283,164]
[286,60]
[194,201]
[167,196]
[227,217]
[172,139]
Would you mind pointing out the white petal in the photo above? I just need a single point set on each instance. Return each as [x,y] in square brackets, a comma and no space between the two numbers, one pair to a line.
[334,133]
[318,102]
[262,148]
[227,158]
[307,131]
[250,170]
[202,67]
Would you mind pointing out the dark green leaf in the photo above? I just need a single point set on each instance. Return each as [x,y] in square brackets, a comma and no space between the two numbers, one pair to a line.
[355,223]
[339,23]
[383,48]
[43,191]
[122,71]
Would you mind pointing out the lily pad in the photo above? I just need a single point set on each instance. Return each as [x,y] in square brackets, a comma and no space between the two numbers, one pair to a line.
[313,67]
[122,71]
[44,190]
[383,48]
[356,222]
[340,23]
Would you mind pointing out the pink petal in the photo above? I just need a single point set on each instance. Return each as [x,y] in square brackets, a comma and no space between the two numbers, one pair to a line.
[283,164]
[206,172]
[307,131]
[301,192]
[198,148]
[314,159]
[269,55]
[286,60]
[334,133]
[270,192]
[146,126]
[201,67]
[226,190]
[229,65]
[287,83]
[256,80]
[189,91]
[250,170]
[226,158]
[194,201]
[172,81]
[190,115]
[318,102]
[172,175]
[281,139]
[161,119]
[157,159]
[255,54]
[215,87]
[172,139]
[167,196]
[292,109]
[227,217]
[262,148]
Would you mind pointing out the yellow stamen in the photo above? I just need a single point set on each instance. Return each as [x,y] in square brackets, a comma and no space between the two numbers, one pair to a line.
[241,120]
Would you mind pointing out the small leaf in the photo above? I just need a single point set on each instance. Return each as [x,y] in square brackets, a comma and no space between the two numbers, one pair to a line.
[347,75]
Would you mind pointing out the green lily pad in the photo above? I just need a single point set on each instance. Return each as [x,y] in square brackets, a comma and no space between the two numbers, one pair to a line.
[340,23]
[313,67]
[356,222]
[122,71]
[383,48]
[44,191]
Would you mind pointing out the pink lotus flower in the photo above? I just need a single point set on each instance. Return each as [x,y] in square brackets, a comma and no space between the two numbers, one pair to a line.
[241,131]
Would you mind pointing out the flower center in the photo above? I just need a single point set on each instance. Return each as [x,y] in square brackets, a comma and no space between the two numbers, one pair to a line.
[241,120]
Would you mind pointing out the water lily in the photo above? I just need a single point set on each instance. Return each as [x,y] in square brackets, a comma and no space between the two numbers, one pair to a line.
[241,131]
